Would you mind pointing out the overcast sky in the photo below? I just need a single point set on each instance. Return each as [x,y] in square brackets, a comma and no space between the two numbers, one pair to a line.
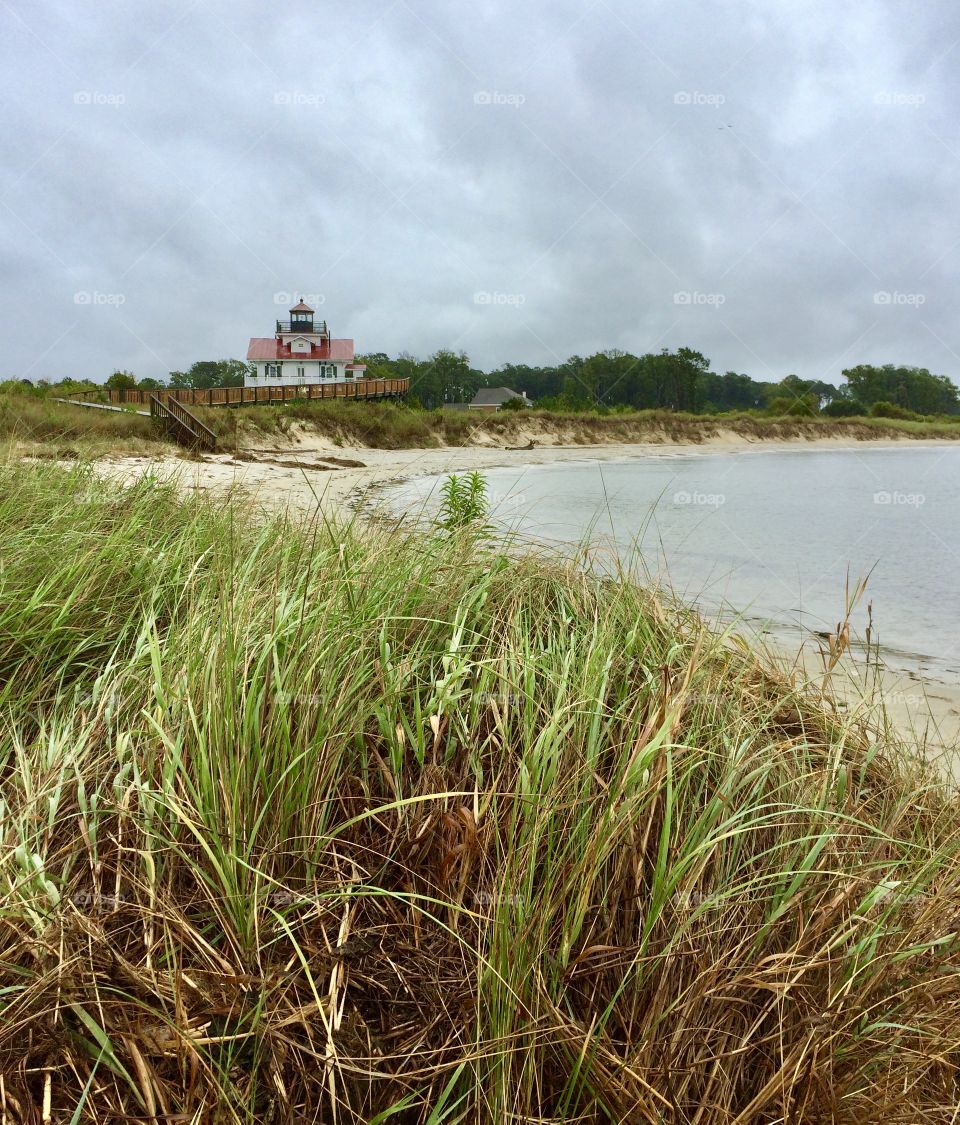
[775,185]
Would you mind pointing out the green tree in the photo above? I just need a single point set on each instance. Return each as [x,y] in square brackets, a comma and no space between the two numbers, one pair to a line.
[445,377]
[913,388]
[212,373]
[537,382]
[378,364]
[794,406]
[122,381]
[730,391]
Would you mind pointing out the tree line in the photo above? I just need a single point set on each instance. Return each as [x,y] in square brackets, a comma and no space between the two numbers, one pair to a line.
[665,380]
[616,380]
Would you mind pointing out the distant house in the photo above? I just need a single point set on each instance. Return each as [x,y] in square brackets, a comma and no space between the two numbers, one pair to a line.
[492,399]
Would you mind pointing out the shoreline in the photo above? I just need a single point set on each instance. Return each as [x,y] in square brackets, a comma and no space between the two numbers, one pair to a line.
[348,487]
[312,474]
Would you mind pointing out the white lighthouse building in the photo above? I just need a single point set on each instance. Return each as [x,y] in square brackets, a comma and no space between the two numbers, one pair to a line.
[301,351]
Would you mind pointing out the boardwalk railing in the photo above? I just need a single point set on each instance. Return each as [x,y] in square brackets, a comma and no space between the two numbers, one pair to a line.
[181,425]
[252,396]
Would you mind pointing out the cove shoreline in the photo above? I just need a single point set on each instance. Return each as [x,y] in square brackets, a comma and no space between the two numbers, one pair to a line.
[303,477]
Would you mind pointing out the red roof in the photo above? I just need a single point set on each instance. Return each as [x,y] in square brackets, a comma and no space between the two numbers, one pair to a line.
[271,348]
[302,308]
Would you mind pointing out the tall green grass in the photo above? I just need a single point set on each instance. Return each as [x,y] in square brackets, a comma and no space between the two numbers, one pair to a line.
[318,823]
[34,422]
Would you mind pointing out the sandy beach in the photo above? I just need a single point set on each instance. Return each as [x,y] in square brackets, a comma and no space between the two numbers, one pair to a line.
[311,473]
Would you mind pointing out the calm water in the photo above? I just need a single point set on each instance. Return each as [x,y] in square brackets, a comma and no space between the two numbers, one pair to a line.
[771,534]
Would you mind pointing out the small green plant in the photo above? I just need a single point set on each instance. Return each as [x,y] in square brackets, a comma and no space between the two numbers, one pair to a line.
[463,501]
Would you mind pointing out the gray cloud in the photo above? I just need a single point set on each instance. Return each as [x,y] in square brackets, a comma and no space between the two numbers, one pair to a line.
[775,187]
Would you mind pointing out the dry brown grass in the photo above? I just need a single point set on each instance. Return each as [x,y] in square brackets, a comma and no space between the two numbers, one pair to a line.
[309,824]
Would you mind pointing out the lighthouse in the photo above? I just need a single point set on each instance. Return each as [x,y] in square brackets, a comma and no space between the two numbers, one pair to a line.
[301,351]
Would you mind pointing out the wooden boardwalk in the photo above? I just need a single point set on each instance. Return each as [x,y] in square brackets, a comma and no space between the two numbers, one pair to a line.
[101,406]
[169,408]
[251,396]
[181,425]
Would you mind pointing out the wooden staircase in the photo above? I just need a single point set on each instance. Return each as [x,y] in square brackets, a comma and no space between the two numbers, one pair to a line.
[183,426]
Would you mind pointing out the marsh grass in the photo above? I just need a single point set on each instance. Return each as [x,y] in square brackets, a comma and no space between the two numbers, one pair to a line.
[39,426]
[314,823]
